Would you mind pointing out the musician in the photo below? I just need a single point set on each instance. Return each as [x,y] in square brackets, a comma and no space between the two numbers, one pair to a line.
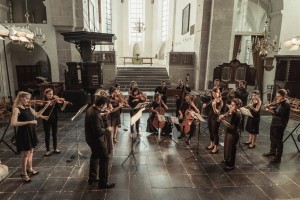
[23,117]
[51,119]
[217,84]
[242,94]
[214,110]
[280,110]
[135,98]
[162,89]
[232,134]
[115,115]
[179,98]
[155,107]
[96,135]
[252,126]
[133,84]
[118,87]
[185,108]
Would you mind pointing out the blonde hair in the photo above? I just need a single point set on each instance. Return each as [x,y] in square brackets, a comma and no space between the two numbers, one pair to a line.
[21,94]
[100,92]
[46,91]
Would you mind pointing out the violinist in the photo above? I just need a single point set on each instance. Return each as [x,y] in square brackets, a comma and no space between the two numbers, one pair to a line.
[232,133]
[214,110]
[133,84]
[162,90]
[252,126]
[50,119]
[242,94]
[280,110]
[158,107]
[184,115]
[179,98]
[23,117]
[115,116]
[135,98]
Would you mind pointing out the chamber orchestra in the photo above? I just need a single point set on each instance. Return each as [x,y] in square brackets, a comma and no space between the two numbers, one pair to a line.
[219,108]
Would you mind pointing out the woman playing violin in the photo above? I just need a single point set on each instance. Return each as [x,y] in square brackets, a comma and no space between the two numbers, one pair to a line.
[232,135]
[115,116]
[135,98]
[252,126]
[157,107]
[184,114]
[214,110]
[23,117]
[51,118]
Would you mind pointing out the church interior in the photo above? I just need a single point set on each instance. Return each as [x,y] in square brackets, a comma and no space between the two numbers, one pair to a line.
[150,60]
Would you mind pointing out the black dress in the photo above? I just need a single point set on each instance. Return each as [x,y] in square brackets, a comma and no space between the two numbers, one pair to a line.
[252,125]
[26,137]
[115,117]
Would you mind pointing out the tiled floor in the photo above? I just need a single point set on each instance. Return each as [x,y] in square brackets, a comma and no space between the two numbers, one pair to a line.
[164,170]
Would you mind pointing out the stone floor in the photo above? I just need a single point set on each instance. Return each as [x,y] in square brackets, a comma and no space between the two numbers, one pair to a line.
[165,170]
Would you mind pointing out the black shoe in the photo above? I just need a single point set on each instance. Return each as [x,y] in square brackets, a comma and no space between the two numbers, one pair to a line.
[268,154]
[227,168]
[251,147]
[275,161]
[223,161]
[188,142]
[209,148]
[91,181]
[181,136]
[106,186]
[247,143]
[214,152]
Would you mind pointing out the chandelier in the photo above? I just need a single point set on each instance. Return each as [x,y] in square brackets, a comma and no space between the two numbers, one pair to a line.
[139,26]
[294,43]
[19,35]
[262,43]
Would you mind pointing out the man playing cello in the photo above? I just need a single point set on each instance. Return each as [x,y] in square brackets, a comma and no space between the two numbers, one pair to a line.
[188,124]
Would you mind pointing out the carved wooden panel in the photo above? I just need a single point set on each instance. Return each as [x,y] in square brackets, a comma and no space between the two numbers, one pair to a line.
[182,58]
[108,57]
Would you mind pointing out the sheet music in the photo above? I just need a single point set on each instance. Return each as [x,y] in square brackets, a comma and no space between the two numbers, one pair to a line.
[175,120]
[137,116]
[161,118]
[79,112]
[197,116]
[140,105]
[245,111]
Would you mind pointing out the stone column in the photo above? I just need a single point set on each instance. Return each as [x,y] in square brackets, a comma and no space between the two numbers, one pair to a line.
[3,11]
[222,13]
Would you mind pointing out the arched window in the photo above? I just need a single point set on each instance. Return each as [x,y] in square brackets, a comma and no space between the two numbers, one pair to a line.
[165,20]
[136,16]
[107,10]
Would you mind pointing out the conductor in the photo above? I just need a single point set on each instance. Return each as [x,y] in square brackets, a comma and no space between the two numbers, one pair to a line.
[96,136]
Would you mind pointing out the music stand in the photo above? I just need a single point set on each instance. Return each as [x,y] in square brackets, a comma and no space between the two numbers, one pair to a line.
[79,112]
[4,133]
[133,119]
[171,120]
[246,112]
[291,135]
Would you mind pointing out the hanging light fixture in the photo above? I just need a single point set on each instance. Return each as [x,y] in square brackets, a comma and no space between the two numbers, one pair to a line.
[262,43]
[139,26]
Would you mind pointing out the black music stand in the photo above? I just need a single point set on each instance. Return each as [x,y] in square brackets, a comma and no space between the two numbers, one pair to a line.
[171,120]
[291,135]
[135,118]
[79,112]
[4,133]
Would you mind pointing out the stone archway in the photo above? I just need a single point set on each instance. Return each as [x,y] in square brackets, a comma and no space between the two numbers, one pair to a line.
[17,55]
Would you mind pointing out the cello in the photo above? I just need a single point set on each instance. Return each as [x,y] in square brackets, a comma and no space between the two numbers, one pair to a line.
[185,126]
[159,111]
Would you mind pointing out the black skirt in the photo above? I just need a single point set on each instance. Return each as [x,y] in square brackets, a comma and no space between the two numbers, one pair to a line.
[252,125]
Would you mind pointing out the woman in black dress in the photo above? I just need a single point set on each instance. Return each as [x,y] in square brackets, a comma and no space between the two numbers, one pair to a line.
[51,119]
[115,115]
[252,126]
[23,117]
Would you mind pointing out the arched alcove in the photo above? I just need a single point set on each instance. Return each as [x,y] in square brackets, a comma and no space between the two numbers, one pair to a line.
[161,53]
[136,49]
[25,66]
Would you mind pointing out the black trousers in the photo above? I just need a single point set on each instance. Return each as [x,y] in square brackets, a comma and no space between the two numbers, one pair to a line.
[48,125]
[137,123]
[99,162]
[192,129]
[230,142]
[276,137]
[178,103]
[213,128]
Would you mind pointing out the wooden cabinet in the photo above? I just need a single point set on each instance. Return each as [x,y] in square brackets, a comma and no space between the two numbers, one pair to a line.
[287,74]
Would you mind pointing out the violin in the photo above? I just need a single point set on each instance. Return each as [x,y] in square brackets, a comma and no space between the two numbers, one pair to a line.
[35,102]
[57,99]
[120,99]
[140,96]
[273,104]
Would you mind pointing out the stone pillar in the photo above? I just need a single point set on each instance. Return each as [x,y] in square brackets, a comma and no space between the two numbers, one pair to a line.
[3,11]
[222,13]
